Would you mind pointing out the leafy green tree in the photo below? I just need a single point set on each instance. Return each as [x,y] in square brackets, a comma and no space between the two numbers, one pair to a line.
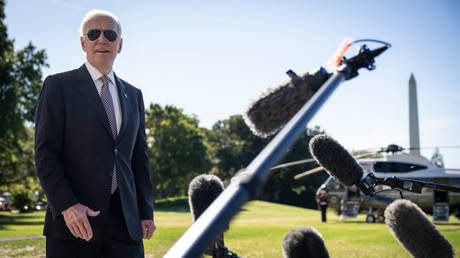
[176,148]
[28,184]
[281,187]
[233,147]
[20,83]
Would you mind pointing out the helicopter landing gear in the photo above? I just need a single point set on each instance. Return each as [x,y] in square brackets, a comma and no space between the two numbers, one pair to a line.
[370,216]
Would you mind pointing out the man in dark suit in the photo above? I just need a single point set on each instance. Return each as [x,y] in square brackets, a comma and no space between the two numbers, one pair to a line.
[91,153]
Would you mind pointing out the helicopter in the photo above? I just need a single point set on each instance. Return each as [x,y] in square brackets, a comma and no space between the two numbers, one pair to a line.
[389,161]
[349,201]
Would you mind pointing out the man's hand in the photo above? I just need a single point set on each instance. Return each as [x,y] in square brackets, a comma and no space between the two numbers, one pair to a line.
[77,221]
[148,227]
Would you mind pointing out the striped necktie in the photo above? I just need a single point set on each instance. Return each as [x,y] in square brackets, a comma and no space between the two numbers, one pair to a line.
[106,98]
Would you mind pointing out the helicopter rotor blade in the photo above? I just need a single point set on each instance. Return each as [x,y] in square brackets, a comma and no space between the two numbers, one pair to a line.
[293,163]
[309,172]
[434,147]
[452,169]
[366,155]
[303,161]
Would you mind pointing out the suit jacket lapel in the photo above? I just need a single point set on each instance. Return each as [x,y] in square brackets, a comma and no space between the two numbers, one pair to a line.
[89,91]
[124,100]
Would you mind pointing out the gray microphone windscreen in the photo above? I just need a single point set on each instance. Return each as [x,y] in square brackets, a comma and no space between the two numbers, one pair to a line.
[202,191]
[410,226]
[335,159]
[274,108]
[304,242]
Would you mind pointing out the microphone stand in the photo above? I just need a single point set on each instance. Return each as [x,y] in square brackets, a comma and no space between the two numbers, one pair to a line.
[247,182]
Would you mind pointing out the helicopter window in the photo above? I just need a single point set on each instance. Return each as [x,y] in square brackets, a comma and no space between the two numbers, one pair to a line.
[454,181]
[396,167]
[379,188]
[333,184]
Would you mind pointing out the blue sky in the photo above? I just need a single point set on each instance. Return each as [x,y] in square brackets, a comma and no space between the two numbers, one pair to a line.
[212,58]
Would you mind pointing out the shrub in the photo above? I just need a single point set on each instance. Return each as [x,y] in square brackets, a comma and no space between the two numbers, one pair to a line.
[22,200]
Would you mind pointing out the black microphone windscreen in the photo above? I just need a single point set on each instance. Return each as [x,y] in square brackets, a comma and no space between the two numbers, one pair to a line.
[303,242]
[275,107]
[415,232]
[335,159]
[202,191]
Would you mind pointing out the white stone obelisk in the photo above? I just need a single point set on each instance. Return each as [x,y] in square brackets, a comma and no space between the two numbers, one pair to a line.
[414,136]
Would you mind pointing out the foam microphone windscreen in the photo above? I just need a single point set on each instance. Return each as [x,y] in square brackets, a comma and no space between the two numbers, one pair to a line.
[202,191]
[303,242]
[410,226]
[275,107]
[335,159]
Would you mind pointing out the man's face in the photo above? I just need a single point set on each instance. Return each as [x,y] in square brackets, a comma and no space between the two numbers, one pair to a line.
[101,53]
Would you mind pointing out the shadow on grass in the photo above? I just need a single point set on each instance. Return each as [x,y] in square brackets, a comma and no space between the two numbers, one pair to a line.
[25,216]
[359,222]
[173,209]
[19,220]
[446,224]
[177,204]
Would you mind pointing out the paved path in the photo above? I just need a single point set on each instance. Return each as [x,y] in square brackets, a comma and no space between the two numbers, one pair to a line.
[3,239]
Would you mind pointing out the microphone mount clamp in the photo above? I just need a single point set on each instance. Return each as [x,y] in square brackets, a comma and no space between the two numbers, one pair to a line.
[364,59]
[369,182]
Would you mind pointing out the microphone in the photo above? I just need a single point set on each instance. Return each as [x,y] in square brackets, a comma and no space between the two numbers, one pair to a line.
[335,160]
[304,242]
[202,191]
[275,107]
[410,226]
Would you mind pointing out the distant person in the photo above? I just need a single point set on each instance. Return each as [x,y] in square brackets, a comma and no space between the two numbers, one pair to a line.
[91,153]
[322,204]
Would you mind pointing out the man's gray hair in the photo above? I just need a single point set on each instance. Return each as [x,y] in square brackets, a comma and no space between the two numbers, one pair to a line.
[96,13]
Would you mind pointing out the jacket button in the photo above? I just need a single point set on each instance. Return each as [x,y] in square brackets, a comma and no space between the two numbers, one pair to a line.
[116,151]
[111,173]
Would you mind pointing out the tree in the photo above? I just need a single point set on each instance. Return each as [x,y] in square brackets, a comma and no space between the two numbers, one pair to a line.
[20,83]
[281,187]
[176,148]
[233,147]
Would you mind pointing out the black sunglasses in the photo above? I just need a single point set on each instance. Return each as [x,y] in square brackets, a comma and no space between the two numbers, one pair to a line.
[110,35]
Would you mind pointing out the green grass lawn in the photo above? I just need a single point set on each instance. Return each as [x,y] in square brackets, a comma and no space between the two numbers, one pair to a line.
[257,231]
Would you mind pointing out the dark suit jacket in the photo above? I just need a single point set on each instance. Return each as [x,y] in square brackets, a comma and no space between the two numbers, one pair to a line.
[75,152]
